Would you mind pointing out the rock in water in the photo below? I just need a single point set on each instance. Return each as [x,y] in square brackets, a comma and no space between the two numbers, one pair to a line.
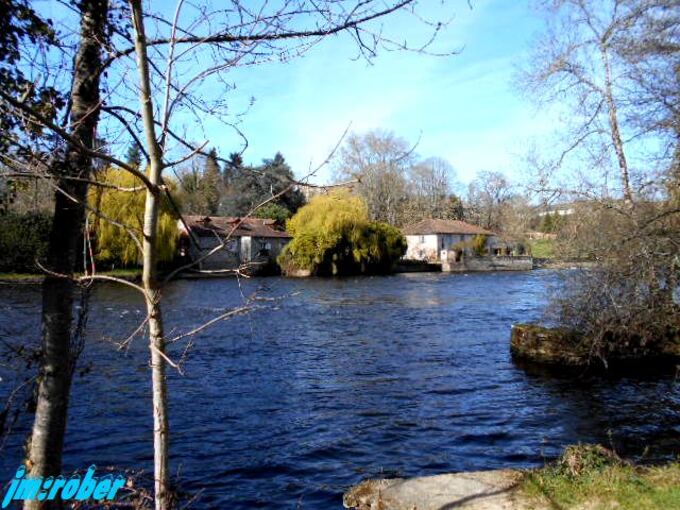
[558,346]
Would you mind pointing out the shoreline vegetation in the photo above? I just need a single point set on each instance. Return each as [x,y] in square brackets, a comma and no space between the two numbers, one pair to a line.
[562,347]
[585,477]
[128,274]
[594,478]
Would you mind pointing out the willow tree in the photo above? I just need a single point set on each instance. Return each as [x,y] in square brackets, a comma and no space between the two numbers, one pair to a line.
[332,235]
[119,205]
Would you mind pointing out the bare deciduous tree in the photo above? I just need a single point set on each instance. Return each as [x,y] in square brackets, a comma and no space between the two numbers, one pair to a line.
[579,61]
[380,160]
[488,194]
[236,36]
[429,189]
[616,63]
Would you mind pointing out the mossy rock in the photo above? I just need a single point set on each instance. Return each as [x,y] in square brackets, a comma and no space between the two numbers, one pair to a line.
[562,347]
[554,346]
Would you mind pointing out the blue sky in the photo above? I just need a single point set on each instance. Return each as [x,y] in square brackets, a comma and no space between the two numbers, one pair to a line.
[464,108]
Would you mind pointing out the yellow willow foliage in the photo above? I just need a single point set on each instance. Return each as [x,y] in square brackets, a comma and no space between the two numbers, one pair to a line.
[113,243]
[319,225]
[333,235]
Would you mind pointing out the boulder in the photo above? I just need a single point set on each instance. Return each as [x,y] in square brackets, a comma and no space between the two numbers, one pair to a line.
[481,490]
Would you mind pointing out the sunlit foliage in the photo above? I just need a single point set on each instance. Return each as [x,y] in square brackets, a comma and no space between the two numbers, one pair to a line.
[332,235]
[115,245]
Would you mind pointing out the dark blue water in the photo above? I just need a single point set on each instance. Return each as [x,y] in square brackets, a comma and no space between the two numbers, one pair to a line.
[341,380]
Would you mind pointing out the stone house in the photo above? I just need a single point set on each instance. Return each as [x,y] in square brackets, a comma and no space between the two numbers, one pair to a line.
[254,241]
[435,240]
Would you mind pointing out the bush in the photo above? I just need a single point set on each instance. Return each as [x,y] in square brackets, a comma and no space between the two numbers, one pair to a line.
[628,303]
[542,248]
[479,244]
[273,211]
[333,236]
[23,239]
[588,476]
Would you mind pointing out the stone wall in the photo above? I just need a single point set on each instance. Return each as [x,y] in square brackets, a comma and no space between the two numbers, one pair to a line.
[500,263]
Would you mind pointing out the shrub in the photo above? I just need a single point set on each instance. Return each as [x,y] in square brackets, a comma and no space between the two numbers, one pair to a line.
[333,236]
[23,239]
[627,305]
[273,211]
[479,244]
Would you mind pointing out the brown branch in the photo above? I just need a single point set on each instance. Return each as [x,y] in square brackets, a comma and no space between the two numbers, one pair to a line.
[236,311]
[230,38]
[39,119]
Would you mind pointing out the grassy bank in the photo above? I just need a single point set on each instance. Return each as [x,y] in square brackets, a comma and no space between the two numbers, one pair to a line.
[592,478]
[132,274]
[542,248]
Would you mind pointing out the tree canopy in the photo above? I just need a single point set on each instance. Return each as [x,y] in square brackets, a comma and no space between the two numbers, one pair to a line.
[118,207]
[250,186]
[396,185]
[332,235]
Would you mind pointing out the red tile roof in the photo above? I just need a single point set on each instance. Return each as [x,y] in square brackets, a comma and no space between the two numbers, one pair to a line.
[430,226]
[238,227]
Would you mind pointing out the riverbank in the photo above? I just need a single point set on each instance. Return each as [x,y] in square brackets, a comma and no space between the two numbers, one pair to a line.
[565,348]
[553,263]
[132,275]
[584,478]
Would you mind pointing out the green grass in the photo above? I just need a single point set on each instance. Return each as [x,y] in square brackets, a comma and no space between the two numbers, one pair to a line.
[542,248]
[19,277]
[590,477]
[133,272]
[126,273]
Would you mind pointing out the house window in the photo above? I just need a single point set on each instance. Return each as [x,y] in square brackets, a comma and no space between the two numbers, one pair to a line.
[421,239]
[231,245]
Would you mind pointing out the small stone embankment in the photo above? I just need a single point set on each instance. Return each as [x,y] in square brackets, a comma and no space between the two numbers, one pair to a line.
[560,347]
[489,263]
[481,490]
[585,477]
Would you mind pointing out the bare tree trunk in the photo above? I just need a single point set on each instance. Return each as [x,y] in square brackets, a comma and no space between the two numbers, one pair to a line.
[614,127]
[44,449]
[149,277]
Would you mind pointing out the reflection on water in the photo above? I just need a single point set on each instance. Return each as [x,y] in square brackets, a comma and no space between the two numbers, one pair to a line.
[348,378]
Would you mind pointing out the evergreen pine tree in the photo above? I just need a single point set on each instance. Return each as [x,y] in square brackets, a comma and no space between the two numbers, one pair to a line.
[210,186]
[232,167]
[133,156]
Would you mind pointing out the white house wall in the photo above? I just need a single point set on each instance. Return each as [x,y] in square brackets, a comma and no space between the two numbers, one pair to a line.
[422,247]
[246,253]
[429,247]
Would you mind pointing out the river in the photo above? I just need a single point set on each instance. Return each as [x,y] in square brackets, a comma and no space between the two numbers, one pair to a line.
[333,381]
